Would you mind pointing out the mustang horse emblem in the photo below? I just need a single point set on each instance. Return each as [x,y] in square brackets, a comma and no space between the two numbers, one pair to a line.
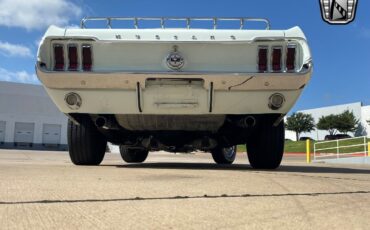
[175,60]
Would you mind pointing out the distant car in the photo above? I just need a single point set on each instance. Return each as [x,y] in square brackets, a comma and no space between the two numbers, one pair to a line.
[329,137]
[342,136]
[305,138]
[337,137]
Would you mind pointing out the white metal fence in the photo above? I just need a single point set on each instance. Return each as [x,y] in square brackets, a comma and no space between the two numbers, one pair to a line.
[350,147]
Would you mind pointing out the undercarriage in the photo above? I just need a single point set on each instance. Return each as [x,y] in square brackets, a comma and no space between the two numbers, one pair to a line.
[263,134]
[178,133]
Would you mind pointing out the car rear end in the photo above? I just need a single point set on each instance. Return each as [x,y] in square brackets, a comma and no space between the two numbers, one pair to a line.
[126,71]
[177,89]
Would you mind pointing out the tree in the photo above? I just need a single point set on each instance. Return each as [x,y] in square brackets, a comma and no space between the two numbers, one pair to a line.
[300,122]
[347,122]
[344,123]
[328,123]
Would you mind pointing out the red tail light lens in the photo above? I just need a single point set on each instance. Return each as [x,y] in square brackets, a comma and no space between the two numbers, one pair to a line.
[276,58]
[86,58]
[262,58]
[72,57]
[58,57]
[290,58]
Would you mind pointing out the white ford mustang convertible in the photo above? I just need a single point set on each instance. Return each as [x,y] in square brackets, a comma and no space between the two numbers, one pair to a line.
[180,89]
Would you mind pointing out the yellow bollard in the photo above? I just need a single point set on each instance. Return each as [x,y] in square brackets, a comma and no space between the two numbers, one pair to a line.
[368,149]
[308,154]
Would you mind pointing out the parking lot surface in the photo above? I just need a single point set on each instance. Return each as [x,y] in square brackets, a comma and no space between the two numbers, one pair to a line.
[43,190]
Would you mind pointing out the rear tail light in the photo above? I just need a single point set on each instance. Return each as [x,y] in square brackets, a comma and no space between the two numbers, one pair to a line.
[290,58]
[276,58]
[86,58]
[58,57]
[72,57]
[262,58]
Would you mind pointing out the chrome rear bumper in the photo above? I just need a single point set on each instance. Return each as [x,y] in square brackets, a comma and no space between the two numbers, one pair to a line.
[174,93]
[220,81]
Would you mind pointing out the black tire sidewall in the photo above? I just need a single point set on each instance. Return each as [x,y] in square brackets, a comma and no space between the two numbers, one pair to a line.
[86,144]
[265,147]
[219,156]
[133,155]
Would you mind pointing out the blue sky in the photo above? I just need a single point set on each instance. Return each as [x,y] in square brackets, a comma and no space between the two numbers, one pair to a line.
[341,53]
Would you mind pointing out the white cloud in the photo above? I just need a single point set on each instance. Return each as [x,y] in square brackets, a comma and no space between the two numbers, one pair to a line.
[14,50]
[19,76]
[37,14]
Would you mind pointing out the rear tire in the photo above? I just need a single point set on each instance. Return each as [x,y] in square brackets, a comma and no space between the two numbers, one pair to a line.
[266,146]
[224,155]
[133,155]
[86,144]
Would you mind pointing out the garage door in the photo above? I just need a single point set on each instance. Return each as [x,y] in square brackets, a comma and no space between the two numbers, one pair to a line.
[51,134]
[2,132]
[23,132]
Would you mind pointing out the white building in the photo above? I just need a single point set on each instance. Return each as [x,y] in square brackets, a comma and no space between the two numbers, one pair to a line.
[365,120]
[28,117]
[362,113]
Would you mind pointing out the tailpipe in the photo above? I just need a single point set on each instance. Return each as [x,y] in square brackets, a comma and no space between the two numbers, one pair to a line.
[247,122]
[100,122]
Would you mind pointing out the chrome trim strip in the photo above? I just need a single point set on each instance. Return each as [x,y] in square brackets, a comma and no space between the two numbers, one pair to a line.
[175,41]
[221,81]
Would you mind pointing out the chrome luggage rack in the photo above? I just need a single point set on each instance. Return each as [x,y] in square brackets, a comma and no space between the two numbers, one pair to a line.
[163,20]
